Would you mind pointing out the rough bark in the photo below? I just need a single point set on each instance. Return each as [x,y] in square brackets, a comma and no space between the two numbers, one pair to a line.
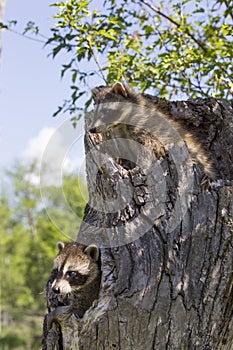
[172,287]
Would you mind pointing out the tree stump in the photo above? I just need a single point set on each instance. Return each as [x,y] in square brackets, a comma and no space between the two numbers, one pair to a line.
[165,235]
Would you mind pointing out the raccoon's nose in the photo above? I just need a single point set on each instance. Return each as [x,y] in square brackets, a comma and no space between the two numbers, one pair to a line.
[93,130]
[56,289]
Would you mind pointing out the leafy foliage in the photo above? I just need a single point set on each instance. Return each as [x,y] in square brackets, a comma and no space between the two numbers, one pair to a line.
[180,47]
[176,48]
[27,250]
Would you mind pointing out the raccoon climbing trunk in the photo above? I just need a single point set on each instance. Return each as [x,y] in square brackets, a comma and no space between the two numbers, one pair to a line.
[164,226]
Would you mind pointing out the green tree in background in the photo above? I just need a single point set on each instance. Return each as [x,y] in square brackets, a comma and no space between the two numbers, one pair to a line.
[27,249]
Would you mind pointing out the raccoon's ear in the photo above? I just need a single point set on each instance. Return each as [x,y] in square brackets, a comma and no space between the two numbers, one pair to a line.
[95,93]
[119,89]
[92,252]
[60,246]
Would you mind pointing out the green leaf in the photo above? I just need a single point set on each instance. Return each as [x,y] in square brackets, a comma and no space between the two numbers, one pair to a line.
[3,26]
[172,51]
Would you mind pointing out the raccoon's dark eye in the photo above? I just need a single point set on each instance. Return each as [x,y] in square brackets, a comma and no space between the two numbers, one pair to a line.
[71,274]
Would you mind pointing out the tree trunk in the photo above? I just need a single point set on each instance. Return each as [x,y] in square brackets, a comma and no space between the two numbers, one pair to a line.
[166,238]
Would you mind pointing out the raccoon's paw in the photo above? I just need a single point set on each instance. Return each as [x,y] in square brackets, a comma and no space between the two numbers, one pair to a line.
[60,315]
[206,183]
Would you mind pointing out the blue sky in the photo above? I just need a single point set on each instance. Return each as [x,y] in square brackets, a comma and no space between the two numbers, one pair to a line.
[30,86]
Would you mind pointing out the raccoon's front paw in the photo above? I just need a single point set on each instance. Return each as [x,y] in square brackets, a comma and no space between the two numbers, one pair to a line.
[60,315]
[206,182]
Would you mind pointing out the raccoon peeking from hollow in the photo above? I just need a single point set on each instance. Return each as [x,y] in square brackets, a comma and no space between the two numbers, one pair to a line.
[124,113]
[77,275]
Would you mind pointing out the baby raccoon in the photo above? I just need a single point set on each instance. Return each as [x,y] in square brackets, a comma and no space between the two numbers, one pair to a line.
[126,114]
[77,275]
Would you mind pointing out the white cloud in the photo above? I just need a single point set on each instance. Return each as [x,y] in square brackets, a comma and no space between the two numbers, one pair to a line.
[36,145]
[34,179]
[57,151]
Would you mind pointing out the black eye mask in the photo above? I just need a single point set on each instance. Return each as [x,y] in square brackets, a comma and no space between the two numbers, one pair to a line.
[75,278]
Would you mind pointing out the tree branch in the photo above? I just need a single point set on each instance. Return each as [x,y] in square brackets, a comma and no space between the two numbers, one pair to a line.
[227,5]
[97,62]
[153,8]
[27,36]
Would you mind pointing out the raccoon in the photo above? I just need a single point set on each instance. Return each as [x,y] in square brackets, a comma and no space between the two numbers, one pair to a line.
[77,275]
[127,114]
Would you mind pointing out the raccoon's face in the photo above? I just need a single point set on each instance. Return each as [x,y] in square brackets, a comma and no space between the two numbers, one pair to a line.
[76,266]
[109,107]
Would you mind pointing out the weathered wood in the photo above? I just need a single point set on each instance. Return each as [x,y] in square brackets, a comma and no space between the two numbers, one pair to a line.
[169,286]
